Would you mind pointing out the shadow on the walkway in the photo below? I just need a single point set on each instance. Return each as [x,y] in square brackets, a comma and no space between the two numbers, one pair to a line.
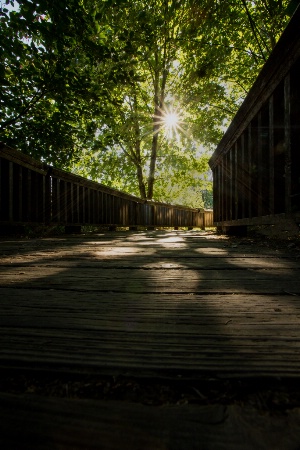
[152,302]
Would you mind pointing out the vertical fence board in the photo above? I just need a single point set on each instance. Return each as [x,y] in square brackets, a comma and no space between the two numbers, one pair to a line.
[235,182]
[28,197]
[43,195]
[48,198]
[222,191]
[216,182]
[20,181]
[271,156]
[4,190]
[259,166]
[242,174]
[1,191]
[226,188]
[77,203]
[287,138]
[231,193]
[295,135]
[17,193]
[63,199]
[10,192]
[279,149]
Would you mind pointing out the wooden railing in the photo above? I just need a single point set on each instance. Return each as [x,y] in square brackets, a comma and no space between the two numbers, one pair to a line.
[256,167]
[35,193]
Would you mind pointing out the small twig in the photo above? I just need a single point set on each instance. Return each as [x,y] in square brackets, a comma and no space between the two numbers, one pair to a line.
[199,393]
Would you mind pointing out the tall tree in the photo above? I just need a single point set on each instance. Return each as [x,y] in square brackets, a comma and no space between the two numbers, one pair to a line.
[132,93]
[149,33]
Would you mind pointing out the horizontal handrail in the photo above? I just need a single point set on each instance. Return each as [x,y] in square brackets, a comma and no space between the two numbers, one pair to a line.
[34,192]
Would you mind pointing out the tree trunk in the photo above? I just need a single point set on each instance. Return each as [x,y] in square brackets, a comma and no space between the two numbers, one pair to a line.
[160,81]
[151,177]
[142,187]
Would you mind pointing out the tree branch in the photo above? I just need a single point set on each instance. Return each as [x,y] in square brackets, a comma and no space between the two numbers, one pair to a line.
[253,27]
[23,113]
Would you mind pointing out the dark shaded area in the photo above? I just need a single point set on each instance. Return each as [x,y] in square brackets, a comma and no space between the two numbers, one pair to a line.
[76,424]
[264,394]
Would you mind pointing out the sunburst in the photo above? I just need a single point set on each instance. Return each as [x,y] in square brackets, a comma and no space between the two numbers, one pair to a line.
[169,120]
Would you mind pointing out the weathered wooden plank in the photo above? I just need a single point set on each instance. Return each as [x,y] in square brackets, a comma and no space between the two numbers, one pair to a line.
[159,364]
[240,304]
[147,333]
[129,280]
[183,264]
[77,424]
[211,286]
[187,246]
[230,271]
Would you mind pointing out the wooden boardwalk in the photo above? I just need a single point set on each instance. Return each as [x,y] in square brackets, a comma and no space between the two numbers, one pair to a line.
[172,305]
[145,303]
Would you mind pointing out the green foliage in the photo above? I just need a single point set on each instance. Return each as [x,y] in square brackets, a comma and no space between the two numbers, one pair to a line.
[86,85]
[49,95]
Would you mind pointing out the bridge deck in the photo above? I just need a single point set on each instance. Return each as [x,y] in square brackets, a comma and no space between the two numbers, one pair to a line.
[150,302]
[173,305]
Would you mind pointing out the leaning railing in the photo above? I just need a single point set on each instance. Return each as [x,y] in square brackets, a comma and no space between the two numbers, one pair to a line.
[32,192]
[256,165]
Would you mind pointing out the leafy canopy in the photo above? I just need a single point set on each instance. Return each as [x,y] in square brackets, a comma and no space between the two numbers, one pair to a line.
[92,86]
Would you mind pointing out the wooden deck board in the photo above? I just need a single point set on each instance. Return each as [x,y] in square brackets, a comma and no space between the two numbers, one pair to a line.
[153,302]
[31,422]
